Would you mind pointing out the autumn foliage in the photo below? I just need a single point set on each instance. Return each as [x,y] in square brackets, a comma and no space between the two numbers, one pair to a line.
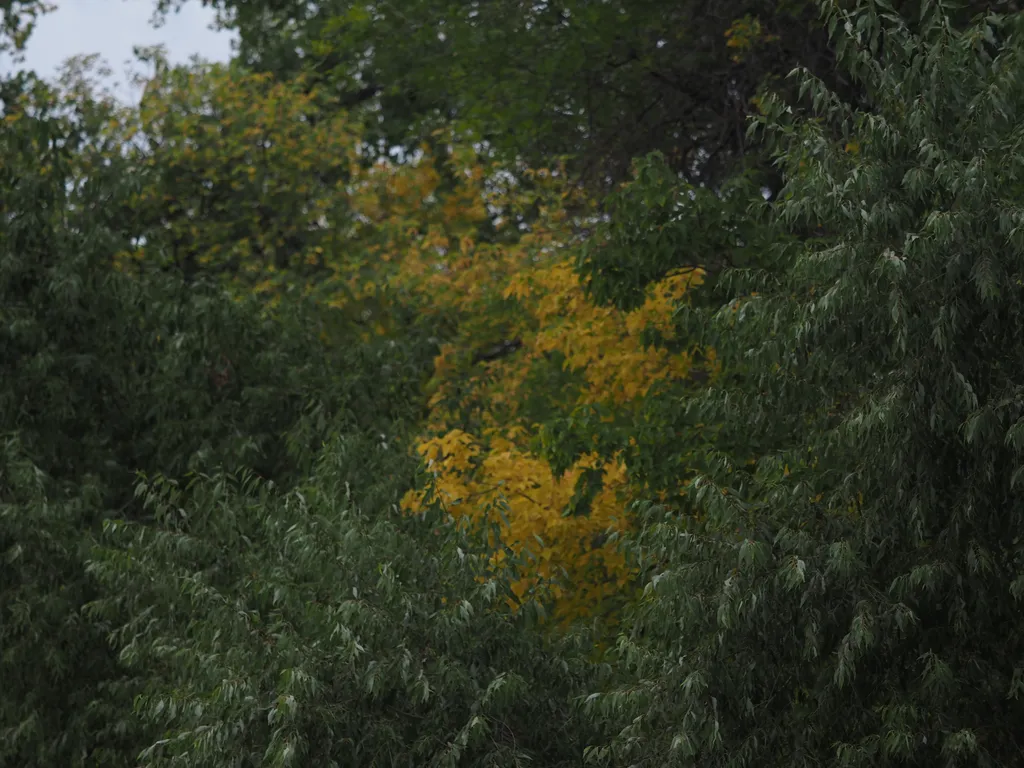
[502,466]
[355,411]
[483,256]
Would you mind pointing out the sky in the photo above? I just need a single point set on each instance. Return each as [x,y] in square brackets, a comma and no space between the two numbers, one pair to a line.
[111,28]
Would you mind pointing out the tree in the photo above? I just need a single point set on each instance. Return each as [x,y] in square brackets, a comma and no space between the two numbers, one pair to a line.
[297,629]
[852,598]
[106,373]
[235,178]
[777,441]
[600,82]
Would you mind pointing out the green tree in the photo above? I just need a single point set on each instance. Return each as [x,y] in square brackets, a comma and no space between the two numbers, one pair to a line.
[852,598]
[240,176]
[299,629]
[106,373]
[601,82]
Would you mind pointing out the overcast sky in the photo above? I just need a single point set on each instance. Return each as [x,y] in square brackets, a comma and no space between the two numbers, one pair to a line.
[111,27]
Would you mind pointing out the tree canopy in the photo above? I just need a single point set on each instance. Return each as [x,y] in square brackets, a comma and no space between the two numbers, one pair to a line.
[359,407]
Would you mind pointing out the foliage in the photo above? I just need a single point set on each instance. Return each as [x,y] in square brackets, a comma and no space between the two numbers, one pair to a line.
[105,374]
[600,82]
[551,458]
[479,258]
[233,185]
[655,225]
[241,175]
[18,21]
[852,598]
[328,636]
[117,374]
[771,446]
[537,389]
[65,701]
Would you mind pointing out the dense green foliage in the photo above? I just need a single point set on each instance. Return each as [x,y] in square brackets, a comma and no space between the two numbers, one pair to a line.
[599,82]
[106,375]
[296,629]
[602,82]
[855,593]
[206,556]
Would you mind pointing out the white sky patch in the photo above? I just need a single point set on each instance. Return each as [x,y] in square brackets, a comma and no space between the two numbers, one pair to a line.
[111,28]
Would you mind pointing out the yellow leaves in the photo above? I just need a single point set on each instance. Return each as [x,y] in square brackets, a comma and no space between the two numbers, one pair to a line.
[129,258]
[527,290]
[394,229]
[404,188]
[461,212]
[398,186]
[662,299]
[603,343]
[456,449]
[518,287]
[469,480]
